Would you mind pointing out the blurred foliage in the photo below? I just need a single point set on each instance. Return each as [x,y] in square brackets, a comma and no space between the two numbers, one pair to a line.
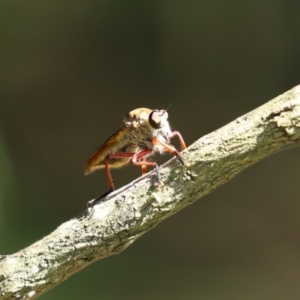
[69,72]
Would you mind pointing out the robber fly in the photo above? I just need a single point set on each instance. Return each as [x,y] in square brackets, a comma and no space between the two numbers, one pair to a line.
[146,131]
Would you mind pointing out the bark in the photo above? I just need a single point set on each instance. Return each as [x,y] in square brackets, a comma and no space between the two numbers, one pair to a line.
[123,216]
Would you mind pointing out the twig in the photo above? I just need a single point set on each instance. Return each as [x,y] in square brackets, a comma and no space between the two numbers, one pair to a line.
[123,216]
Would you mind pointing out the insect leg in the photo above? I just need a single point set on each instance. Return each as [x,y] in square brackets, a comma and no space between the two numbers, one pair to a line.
[144,163]
[169,148]
[91,203]
[136,157]
[107,170]
[108,175]
[181,141]
[144,167]
[120,154]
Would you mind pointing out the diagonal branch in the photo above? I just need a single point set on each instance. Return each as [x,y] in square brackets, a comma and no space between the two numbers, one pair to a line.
[113,224]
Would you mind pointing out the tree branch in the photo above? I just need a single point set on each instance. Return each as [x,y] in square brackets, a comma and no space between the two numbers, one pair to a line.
[123,216]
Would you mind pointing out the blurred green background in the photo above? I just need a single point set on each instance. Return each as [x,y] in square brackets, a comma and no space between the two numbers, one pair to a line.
[69,72]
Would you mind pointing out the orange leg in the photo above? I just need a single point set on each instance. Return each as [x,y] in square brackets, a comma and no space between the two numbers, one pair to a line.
[142,155]
[144,163]
[136,157]
[108,176]
[169,148]
[144,167]
[91,203]
[181,141]
[107,170]
[135,160]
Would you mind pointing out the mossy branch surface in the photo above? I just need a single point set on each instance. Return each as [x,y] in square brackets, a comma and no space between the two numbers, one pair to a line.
[123,216]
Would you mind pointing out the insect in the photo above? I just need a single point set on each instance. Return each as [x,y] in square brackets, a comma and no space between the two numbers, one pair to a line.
[146,131]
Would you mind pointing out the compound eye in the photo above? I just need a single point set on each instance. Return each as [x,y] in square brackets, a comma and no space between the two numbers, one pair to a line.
[155,118]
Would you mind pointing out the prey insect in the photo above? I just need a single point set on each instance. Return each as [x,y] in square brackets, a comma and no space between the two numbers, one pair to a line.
[146,131]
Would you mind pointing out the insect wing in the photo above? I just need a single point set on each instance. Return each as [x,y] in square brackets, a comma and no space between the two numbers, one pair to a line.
[116,143]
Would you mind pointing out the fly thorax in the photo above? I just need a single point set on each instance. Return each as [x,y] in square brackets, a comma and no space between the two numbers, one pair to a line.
[140,133]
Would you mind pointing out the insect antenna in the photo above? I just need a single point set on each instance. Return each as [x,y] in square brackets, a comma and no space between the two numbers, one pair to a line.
[169,106]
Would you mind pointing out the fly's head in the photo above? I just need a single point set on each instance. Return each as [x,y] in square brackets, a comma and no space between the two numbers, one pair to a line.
[145,123]
[158,120]
[137,117]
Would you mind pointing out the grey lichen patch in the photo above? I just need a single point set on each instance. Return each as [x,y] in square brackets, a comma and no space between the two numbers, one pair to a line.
[157,199]
[289,122]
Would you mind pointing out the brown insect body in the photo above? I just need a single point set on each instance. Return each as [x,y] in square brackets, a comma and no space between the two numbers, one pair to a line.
[145,131]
